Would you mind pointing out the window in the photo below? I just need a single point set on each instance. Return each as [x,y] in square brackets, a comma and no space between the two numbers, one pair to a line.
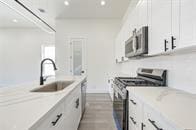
[48,51]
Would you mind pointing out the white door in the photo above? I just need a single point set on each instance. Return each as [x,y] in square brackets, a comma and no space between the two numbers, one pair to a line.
[78,56]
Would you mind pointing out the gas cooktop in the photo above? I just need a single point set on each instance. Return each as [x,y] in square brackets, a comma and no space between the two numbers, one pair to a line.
[134,81]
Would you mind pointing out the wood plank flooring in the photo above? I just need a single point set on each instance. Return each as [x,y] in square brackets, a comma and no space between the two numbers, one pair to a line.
[98,113]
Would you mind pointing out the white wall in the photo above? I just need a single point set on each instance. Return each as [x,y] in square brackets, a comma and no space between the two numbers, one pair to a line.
[181,69]
[100,34]
[21,52]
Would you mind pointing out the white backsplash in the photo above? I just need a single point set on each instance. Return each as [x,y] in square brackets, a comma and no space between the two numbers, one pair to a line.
[181,69]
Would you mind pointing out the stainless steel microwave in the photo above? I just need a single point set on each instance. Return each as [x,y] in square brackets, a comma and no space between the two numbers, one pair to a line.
[137,45]
[130,46]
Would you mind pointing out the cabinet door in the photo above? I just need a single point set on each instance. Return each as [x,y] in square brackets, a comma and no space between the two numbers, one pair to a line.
[110,85]
[160,25]
[187,23]
[143,13]
[135,112]
[73,111]
[73,115]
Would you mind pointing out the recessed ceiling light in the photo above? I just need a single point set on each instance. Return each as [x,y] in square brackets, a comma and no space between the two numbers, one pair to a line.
[41,10]
[15,20]
[103,2]
[66,3]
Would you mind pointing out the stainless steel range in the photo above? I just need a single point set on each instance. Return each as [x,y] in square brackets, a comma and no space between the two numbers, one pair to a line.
[145,78]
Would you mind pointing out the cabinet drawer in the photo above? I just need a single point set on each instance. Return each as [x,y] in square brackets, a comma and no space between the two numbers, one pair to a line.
[53,120]
[154,121]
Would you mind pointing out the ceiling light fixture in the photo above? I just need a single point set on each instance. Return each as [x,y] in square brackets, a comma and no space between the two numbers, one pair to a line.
[41,10]
[15,20]
[103,2]
[66,3]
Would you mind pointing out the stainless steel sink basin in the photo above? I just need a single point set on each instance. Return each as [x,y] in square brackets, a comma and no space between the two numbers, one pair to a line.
[53,87]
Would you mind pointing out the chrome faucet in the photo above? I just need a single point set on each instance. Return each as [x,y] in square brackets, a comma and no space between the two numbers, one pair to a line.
[42,79]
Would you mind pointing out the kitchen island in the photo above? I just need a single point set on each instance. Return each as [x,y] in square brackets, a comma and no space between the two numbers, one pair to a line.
[22,109]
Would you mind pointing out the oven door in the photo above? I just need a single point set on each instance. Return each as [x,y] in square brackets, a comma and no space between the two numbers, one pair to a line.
[142,41]
[120,111]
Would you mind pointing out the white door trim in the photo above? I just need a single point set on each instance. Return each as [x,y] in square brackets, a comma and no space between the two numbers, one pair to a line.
[84,54]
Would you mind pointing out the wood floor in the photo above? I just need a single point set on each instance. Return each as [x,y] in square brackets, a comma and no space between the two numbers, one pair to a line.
[98,113]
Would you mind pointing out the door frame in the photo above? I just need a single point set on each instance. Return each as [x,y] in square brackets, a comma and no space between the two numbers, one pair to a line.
[84,54]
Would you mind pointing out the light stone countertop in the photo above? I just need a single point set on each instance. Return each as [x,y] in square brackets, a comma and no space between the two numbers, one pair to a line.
[174,106]
[20,109]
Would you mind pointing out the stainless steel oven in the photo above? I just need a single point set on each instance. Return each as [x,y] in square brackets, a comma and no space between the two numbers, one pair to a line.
[120,108]
[145,77]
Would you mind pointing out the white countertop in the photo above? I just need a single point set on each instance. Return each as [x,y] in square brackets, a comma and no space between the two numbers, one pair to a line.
[20,108]
[175,106]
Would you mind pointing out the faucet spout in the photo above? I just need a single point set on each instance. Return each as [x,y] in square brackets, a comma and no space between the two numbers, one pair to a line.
[41,74]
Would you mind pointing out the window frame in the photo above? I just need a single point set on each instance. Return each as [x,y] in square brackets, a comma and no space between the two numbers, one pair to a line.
[43,57]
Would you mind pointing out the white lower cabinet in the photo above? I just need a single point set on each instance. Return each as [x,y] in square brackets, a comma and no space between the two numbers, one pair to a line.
[143,117]
[135,113]
[64,116]
[110,87]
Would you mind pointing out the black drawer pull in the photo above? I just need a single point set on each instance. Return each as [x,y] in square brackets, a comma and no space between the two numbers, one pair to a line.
[134,103]
[154,124]
[77,103]
[132,119]
[165,44]
[58,117]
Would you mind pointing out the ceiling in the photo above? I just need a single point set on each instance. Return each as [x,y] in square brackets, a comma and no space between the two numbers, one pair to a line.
[56,9]
[8,15]
[83,8]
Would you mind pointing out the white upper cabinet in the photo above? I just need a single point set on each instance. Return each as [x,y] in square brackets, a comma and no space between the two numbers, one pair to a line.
[159,25]
[172,24]
[143,13]
[187,23]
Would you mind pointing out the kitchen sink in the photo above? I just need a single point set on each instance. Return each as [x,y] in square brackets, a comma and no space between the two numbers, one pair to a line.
[53,87]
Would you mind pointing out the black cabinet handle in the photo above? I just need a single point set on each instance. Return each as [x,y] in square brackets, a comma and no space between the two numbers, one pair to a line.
[58,117]
[77,103]
[154,124]
[165,45]
[134,103]
[132,119]
[142,126]
[172,41]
